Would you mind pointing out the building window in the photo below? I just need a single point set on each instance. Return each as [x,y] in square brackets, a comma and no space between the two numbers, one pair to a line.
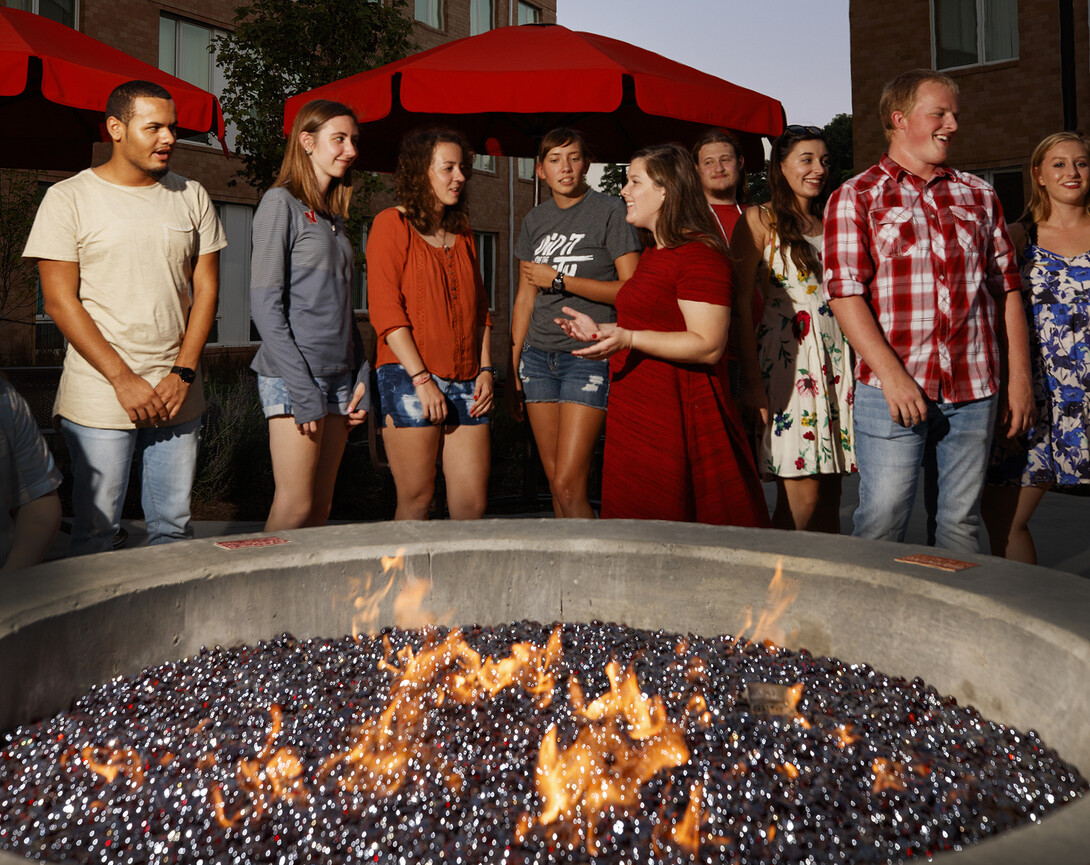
[486,258]
[56,10]
[972,32]
[185,50]
[484,162]
[480,16]
[1007,183]
[429,12]
[529,14]
[233,325]
[525,168]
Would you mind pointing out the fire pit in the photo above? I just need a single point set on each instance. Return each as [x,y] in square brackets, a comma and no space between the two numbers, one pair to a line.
[1013,641]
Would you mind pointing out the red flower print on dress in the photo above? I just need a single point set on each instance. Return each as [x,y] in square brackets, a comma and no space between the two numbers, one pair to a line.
[801,325]
[800,463]
[808,435]
[807,384]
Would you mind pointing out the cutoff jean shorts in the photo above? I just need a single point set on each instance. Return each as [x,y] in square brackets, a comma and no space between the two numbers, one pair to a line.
[560,376]
[398,400]
[276,401]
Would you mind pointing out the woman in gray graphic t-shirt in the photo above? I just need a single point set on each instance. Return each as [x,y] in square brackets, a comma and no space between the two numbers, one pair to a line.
[575,250]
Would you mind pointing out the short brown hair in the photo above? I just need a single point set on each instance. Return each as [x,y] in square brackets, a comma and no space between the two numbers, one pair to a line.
[413,187]
[562,137]
[900,94]
[296,173]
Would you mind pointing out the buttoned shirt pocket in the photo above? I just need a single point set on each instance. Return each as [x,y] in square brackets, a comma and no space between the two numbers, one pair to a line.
[970,226]
[896,230]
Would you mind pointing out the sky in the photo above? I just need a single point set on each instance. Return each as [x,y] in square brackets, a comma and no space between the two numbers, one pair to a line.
[796,51]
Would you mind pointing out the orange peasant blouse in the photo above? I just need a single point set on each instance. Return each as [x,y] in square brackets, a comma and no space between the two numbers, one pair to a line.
[436,292]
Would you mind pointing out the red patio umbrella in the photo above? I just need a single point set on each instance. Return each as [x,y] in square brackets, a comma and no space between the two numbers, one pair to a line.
[54,82]
[507,87]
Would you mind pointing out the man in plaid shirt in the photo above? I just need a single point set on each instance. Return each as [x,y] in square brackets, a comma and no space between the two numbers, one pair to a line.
[921,275]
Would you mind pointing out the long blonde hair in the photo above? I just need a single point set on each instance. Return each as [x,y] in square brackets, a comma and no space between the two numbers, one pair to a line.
[1040,208]
[296,173]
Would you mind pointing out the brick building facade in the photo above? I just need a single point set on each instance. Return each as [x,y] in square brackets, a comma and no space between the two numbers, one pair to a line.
[169,33]
[1007,57]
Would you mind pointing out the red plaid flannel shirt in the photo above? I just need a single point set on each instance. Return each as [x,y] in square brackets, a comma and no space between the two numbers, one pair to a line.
[933,259]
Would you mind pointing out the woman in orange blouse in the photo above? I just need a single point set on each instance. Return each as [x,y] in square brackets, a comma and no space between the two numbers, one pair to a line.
[429,308]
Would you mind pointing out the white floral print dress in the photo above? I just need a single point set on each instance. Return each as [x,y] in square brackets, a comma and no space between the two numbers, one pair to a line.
[806,367]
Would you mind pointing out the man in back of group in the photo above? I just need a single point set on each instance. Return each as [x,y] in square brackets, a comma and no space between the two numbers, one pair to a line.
[921,275]
[128,258]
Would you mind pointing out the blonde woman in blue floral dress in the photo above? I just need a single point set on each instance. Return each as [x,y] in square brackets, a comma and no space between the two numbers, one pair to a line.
[804,359]
[1053,243]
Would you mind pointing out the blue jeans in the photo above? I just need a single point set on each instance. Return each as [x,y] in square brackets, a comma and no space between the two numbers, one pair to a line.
[954,441]
[101,459]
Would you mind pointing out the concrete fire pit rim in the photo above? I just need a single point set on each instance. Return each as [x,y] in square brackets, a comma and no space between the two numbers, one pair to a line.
[993,590]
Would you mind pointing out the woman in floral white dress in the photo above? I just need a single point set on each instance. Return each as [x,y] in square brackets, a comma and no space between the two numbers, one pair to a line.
[1053,243]
[806,384]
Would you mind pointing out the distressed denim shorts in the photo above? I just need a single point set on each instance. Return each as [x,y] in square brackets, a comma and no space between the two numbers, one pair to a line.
[399,403]
[276,401]
[560,376]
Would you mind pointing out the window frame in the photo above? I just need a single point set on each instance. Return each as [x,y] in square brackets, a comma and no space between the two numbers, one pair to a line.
[488,266]
[980,41]
[437,6]
[490,25]
[33,6]
[215,74]
[522,4]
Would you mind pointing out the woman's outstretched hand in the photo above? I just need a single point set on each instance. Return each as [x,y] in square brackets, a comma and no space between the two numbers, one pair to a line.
[608,338]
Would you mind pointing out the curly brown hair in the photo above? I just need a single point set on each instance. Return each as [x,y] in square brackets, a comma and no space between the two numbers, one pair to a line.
[413,186]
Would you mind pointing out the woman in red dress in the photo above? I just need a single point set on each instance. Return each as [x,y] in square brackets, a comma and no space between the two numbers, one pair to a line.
[675,449]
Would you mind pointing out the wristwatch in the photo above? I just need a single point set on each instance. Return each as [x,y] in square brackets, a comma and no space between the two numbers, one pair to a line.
[185,373]
[558,283]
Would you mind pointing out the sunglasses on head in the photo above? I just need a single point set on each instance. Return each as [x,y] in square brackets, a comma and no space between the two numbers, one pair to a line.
[805,130]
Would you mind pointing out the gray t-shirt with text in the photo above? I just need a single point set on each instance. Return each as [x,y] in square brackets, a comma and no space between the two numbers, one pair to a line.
[582,240]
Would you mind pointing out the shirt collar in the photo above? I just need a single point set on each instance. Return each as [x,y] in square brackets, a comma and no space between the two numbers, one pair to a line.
[898,172]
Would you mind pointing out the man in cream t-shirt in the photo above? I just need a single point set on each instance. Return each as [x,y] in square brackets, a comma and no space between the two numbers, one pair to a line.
[128,258]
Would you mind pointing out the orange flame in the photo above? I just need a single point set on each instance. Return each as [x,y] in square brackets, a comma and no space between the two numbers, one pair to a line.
[781,594]
[844,735]
[384,747]
[605,767]
[645,716]
[262,780]
[888,775]
[686,832]
[114,762]
[698,708]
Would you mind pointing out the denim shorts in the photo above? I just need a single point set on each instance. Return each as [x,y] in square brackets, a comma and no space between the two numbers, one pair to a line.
[560,376]
[398,400]
[276,401]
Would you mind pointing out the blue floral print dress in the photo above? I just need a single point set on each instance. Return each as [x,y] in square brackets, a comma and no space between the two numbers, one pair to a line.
[1056,293]
[806,367]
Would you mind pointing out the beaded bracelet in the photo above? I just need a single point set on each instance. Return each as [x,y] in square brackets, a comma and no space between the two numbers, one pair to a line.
[490,369]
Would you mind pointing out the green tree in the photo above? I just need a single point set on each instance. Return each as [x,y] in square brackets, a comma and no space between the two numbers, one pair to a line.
[838,135]
[19,199]
[283,47]
[614,176]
